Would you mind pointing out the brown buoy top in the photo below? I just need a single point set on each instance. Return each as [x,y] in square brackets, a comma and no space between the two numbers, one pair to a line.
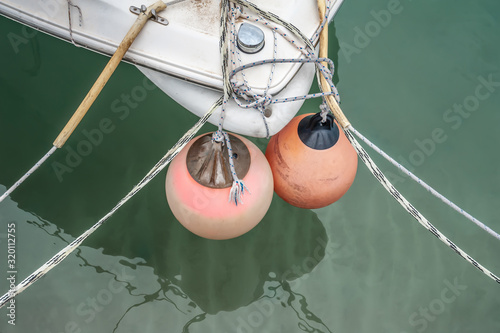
[208,161]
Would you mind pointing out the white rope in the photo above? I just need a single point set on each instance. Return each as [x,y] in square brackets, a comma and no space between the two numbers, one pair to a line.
[224,46]
[363,155]
[426,186]
[27,174]
[229,52]
[70,27]
[359,149]
[61,255]
[276,19]
[229,55]
[310,57]
[326,72]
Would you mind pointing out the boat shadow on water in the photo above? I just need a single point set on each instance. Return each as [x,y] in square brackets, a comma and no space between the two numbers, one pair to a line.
[258,270]
[248,278]
[250,282]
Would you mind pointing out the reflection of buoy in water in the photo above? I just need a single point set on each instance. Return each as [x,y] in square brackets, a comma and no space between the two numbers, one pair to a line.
[199,182]
[313,163]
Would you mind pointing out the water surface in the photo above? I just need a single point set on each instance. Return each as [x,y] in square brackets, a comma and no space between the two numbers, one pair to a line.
[360,265]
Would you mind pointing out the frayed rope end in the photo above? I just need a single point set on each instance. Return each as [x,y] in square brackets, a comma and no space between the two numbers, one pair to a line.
[237,191]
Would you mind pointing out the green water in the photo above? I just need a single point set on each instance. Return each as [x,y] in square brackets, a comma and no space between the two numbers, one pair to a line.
[360,265]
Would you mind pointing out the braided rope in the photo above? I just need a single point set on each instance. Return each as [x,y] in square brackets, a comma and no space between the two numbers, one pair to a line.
[276,19]
[426,186]
[247,92]
[229,13]
[27,174]
[276,29]
[239,187]
[224,47]
[308,51]
[363,155]
[70,27]
[218,136]
[318,61]
[61,255]
[242,89]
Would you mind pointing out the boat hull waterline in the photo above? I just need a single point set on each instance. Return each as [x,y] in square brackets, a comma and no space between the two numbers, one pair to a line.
[183,57]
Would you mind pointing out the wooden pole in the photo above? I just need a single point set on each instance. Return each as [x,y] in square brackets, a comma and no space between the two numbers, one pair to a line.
[323,53]
[106,73]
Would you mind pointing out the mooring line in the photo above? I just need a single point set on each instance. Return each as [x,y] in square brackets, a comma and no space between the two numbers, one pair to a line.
[97,87]
[425,185]
[61,255]
[27,174]
[379,175]
[347,128]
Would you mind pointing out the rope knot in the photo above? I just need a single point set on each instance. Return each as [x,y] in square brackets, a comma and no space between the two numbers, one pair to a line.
[237,85]
[218,136]
[325,110]
[263,101]
[237,11]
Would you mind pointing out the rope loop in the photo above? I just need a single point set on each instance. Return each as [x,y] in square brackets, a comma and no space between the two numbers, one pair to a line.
[70,26]
[325,110]
[218,136]
[239,187]
[264,101]
[238,87]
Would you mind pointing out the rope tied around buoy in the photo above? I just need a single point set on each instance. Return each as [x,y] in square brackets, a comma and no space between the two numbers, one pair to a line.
[241,91]
[235,83]
[324,111]
[157,168]
[238,186]
[220,136]
[378,174]
[333,107]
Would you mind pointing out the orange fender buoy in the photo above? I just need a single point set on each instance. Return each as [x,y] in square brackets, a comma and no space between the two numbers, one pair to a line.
[198,185]
[313,164]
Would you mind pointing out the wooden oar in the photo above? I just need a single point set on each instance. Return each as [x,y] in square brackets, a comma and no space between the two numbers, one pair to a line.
[323,53]
[96,88]
[107,72]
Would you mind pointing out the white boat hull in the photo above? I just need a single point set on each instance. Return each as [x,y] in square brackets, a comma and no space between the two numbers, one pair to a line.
[183,58]
[199,99]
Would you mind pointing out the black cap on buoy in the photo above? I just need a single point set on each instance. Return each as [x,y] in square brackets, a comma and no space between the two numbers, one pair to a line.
[318,135]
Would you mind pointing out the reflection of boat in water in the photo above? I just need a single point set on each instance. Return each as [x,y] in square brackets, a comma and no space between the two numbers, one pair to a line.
[183,57]
[397,193]
[180,281]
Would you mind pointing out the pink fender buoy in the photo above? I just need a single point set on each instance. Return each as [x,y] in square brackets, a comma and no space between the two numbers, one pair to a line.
[313,162]
[199,181]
